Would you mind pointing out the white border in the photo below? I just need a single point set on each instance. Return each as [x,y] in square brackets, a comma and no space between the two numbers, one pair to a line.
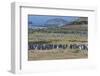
[19,38]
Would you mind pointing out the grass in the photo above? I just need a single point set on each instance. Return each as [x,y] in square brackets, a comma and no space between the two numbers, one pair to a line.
[55,55]
[58,36]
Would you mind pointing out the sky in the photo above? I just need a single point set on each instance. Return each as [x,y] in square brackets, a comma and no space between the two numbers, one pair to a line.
[41,19]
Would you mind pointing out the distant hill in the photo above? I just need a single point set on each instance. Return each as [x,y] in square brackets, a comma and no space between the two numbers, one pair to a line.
[57,22]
